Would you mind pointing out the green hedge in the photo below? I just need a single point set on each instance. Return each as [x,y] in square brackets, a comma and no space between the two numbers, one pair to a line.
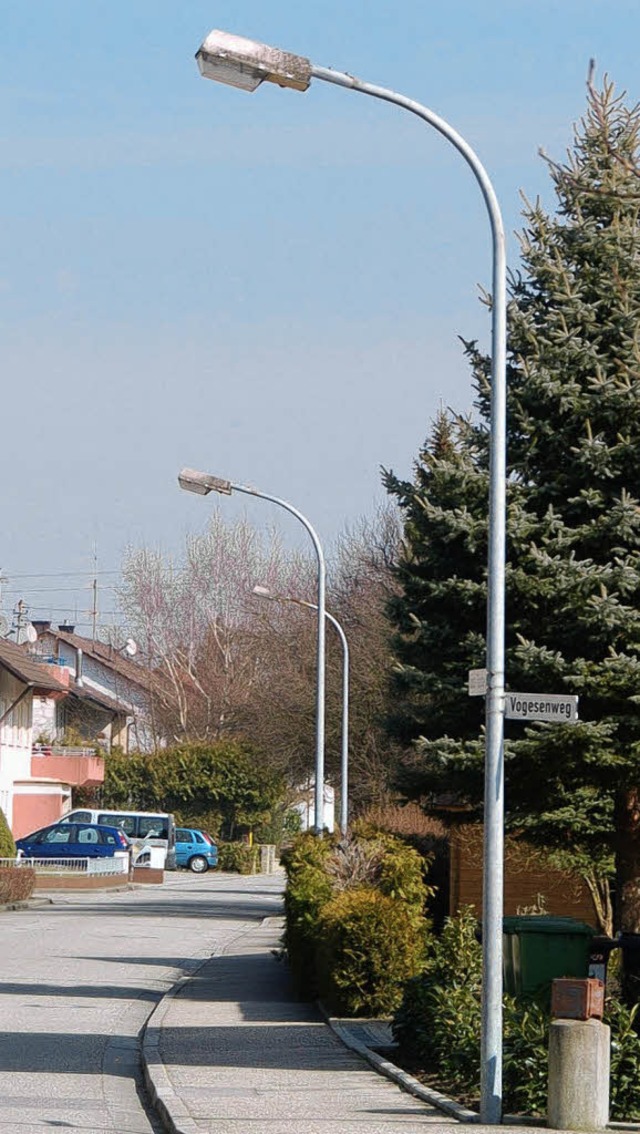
[308,889]
[368,948]
[355,925]
[237,858]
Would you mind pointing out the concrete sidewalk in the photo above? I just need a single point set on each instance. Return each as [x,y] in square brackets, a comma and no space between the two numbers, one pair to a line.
[230,1050]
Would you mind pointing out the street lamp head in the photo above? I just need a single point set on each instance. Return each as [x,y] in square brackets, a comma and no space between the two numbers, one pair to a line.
[264,592]
[245,64]
[202,483]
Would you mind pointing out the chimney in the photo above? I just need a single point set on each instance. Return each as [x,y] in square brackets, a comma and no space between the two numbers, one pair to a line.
[67,628]
[40,625]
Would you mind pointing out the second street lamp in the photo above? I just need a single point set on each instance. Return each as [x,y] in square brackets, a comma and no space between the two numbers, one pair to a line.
[202,484]
[264,592]
[244,63]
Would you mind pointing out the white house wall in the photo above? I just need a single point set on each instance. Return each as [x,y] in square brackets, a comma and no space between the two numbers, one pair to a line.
[101,678]
[45,721]
[15,739]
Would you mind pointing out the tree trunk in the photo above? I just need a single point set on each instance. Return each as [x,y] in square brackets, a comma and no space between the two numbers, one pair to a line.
[628,888]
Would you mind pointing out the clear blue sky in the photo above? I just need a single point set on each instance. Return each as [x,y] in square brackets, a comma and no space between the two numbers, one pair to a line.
[266,286]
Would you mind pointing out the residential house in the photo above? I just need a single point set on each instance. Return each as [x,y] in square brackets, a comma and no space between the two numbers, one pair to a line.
[110,696]
[33,792]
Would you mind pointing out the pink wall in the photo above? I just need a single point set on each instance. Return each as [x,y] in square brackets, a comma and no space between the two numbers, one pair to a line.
[30,812]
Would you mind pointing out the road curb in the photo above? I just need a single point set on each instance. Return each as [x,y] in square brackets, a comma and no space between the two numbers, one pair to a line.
[402,1078]
[166,1102]
[26,904]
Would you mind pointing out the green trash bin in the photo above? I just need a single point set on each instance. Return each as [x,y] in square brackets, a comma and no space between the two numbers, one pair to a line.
[538,949]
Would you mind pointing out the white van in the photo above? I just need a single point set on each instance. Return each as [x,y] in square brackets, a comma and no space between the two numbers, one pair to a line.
[144,828]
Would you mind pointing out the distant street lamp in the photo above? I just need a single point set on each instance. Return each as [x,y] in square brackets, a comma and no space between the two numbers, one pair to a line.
[245,64]
[264,592]
[202,484]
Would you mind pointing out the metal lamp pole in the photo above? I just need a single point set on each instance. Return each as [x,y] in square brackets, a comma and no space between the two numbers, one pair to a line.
[264,592]
[202,484]
[243,63]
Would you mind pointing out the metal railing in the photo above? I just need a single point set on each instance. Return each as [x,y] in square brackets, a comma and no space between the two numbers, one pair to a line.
[96,867]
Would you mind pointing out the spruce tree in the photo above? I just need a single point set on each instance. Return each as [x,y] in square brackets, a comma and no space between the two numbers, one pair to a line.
[439,613]
[573,584]
[574,444]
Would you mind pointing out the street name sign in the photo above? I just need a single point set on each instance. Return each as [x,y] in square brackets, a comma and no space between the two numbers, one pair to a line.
[541,707]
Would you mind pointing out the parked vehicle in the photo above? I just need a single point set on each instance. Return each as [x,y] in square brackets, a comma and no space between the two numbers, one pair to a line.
[74,840]
[143,828]
[195,850]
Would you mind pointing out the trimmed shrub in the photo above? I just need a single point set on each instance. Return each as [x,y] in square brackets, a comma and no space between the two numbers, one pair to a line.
[402,875]
[308,890]
[368,948]
[384,931]
[16,883]
[7,845]
[237,858]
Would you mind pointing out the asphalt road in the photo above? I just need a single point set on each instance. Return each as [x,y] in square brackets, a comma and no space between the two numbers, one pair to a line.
[79,979]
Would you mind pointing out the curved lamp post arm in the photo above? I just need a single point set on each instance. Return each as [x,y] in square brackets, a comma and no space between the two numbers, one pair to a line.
[192,480]
[320,665]
[246,64]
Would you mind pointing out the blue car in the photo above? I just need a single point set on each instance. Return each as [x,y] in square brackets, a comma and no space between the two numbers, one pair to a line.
[195,850]
[74,840]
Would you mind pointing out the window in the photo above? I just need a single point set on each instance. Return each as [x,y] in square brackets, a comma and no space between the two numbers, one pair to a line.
[127,822]
[59,835]
[88,835]
[183,836]
[197,837]
[81,816]
[152,827]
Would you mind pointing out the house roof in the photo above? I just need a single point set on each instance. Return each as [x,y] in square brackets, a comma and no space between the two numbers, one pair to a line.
[103,700]
[107,655]
[22,666]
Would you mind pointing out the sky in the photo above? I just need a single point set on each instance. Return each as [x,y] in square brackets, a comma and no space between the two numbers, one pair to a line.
[270,286]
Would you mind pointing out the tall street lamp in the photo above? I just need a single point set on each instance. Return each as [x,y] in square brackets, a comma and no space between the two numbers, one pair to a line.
[264,592]
[202,484]
[245,64]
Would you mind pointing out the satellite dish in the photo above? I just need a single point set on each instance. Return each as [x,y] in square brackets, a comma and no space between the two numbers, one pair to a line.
[130,648]
[30,632]
[4,626]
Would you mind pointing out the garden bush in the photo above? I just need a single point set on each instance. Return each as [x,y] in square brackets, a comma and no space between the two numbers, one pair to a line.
[438,1023]
[237,858]
[16,883]
[7,845]
[376,884]
[368,948]
[308,890]
[402,875]
[438,1029]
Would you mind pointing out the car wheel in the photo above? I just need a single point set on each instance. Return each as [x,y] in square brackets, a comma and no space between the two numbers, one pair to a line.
[198,864]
